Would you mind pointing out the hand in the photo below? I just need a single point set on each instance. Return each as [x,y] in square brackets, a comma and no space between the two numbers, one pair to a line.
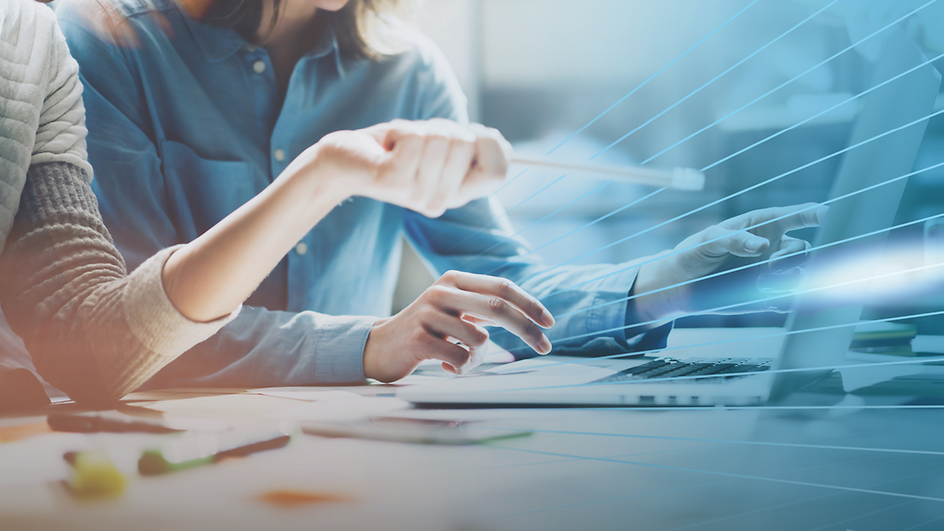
[453,311]
[728,246]
[428,167]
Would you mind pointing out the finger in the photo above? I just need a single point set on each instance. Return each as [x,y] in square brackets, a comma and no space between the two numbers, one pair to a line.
[492,153]
[792,253]
[437,348]
[405,142]
[787,218]
[449,325]
[740,243]
[504,289]
[497,310]
[430,172]
[458,167]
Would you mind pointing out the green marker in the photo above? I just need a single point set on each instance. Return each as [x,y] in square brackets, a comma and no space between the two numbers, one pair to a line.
[195,449]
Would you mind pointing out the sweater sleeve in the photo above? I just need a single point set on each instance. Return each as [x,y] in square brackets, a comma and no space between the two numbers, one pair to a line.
[93,331]
[61,133]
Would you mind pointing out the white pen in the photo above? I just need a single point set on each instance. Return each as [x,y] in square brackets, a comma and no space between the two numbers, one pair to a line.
[687,179]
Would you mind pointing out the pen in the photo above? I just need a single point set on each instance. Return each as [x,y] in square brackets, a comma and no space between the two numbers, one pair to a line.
[195,449]
[686,179]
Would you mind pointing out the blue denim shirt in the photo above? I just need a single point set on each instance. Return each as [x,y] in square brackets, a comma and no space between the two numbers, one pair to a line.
[185,125]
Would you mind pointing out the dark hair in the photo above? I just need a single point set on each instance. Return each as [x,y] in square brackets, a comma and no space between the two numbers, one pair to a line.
[357,26]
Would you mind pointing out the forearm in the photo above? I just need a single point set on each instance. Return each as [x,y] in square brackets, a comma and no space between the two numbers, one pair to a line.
[92,331]
[215,273]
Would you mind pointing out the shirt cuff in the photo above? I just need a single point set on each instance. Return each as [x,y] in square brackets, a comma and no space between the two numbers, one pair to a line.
[338,355]
[611,316]
[153,318]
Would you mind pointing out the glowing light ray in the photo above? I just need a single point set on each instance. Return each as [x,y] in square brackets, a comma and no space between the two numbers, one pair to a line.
[742,408]
[916,361]
[516,259]
[731,441]
[613,106]
[721,200]
[596,502]
[722,74]
[727,474]
[653,76]
[712,483]
[798,502]
[769,261]
[661,321]
[760,142]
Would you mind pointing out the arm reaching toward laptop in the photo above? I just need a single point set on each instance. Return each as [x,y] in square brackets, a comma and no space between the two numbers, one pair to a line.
[752,237]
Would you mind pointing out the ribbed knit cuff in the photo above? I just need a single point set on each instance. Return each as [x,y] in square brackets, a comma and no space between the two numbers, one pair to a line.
[152,317]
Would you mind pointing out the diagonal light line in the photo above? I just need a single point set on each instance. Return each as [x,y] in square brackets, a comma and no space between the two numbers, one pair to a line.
[740,408]
[676,104]
[722,74]
[532,251]
[538,222]
[861,516]
[752,146]
[731,441]
[771,137]
[595,502]
[772,260]
[638,495]
[634,454]
[611,107]
[653,76]
[915,361]
[729,474]
[922,524]
[721,200]
[666,320]
[798,502]
[782,85]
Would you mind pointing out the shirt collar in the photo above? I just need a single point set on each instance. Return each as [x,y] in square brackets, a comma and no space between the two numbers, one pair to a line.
[326,45]
[217,43]
[220,43]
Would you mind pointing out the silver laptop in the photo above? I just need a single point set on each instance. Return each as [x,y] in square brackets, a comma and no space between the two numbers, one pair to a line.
[738,372]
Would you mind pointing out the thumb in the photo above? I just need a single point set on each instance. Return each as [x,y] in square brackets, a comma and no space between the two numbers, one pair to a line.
[744,244]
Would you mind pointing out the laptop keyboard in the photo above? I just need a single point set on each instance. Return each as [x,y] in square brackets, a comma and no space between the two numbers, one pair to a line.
[673,368]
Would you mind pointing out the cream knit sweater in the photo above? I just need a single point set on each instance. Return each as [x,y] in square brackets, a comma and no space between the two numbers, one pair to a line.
[92,330]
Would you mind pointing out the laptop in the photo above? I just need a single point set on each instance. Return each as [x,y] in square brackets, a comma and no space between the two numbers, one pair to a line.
[737,373]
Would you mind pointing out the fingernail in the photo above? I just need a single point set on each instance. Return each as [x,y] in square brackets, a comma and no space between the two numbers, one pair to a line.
[545,345]
[753,245]
[547,319]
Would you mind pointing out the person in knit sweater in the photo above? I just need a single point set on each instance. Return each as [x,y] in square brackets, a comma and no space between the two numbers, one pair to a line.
[96,332]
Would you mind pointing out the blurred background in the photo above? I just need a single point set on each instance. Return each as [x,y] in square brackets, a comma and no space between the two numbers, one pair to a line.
[540,70]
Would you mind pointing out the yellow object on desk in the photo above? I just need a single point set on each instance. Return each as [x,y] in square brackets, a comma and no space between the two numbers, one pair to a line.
[94,476]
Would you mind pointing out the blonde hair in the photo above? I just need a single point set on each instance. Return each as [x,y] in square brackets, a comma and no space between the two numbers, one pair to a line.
[361,27]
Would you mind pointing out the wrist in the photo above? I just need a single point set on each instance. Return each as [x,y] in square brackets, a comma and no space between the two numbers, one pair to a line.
[311,175]
[373,366]
[655,299]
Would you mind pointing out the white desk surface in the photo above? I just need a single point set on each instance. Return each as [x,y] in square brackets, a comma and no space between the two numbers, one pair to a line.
[867,464]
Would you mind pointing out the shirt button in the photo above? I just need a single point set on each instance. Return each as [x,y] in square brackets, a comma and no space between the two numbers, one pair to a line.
[301,248]
[279,155]
[258,67]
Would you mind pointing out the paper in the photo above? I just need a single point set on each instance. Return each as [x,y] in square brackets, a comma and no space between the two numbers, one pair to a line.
[341,405]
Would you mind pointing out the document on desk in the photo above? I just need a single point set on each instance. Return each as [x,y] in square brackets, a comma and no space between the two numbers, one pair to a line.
[341,405]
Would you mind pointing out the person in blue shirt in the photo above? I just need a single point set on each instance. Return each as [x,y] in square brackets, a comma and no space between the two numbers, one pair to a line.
[196,106]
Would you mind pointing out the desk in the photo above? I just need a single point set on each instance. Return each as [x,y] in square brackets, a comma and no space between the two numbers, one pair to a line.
[670,469]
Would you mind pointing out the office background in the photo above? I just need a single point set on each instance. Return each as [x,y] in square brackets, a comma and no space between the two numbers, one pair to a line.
[539,70]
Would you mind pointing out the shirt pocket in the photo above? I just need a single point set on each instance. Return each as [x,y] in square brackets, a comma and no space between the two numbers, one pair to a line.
[201,192]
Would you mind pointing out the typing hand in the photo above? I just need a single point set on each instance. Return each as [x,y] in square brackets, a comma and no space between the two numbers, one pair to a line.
[724,247]
[453,311]
[426,166]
